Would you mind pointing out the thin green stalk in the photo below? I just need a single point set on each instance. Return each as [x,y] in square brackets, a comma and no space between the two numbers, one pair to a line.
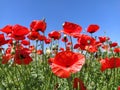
[49,79]
[36,61]
[69,83]
[71,43]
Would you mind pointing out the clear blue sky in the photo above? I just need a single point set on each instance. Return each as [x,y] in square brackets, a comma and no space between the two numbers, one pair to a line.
[105,13]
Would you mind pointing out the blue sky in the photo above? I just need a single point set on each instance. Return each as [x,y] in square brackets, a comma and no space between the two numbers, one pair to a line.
[105,13]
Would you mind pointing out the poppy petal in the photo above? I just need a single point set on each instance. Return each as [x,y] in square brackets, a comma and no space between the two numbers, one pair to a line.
[60,71]
[77,65]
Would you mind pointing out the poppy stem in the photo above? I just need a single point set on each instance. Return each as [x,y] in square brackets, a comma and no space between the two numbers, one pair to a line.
[69,83]
[43,45]
[49,81]
[71,43]
[65,46]
[36,61]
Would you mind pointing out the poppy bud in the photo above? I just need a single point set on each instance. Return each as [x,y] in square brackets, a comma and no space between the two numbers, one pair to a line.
[48,51]
[12,51]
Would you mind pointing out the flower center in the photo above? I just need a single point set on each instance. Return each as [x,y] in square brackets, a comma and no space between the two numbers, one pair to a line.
[22,56]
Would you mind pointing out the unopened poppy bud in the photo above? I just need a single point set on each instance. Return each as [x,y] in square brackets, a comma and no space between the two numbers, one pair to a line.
[65,36]
[48,51]
[14,42]
[12,51]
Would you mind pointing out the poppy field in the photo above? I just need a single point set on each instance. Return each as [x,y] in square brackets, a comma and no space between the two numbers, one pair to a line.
[66,59]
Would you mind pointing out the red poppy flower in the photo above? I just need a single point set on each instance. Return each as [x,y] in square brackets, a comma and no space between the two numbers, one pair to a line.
[41,37]
[76,46]
[2,40]
[32,48]
[25,42]
[64,39]
[47,40]
[71,28]
[7,29]
[39,52]
[10,41]
[117,50]
[79,82]
[103,39]
[33,35]
[106,47]
[38,25]
[67,62]
[91,48]
[92,28]
[85,40]
[8,50]
[98,44]
[6,58]
[19,32]
[109,63]
[76,35]
[114,44]
[55,35]
[22,57]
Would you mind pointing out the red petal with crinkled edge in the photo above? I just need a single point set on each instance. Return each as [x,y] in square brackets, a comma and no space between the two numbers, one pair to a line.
[66,63]
[71,28]
[19,30]
[60,71]
[78,65]
[7,29]
[92,28]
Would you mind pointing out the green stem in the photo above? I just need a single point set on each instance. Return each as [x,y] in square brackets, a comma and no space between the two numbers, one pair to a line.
[71,43]
[69,83]
[49,79]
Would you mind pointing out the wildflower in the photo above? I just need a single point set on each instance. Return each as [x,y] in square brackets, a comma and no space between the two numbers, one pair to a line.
[67,62]
[71,28]
[22,57]
[117,50]
[47,40]
[39,52]
[33,35]
[2,40]
[92,28]
[38,25]
[109,63]
[65,39]
[7,29]
[86,42]
[16,32]
[25,42]
[114,44]
[55,35]
[103,39]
